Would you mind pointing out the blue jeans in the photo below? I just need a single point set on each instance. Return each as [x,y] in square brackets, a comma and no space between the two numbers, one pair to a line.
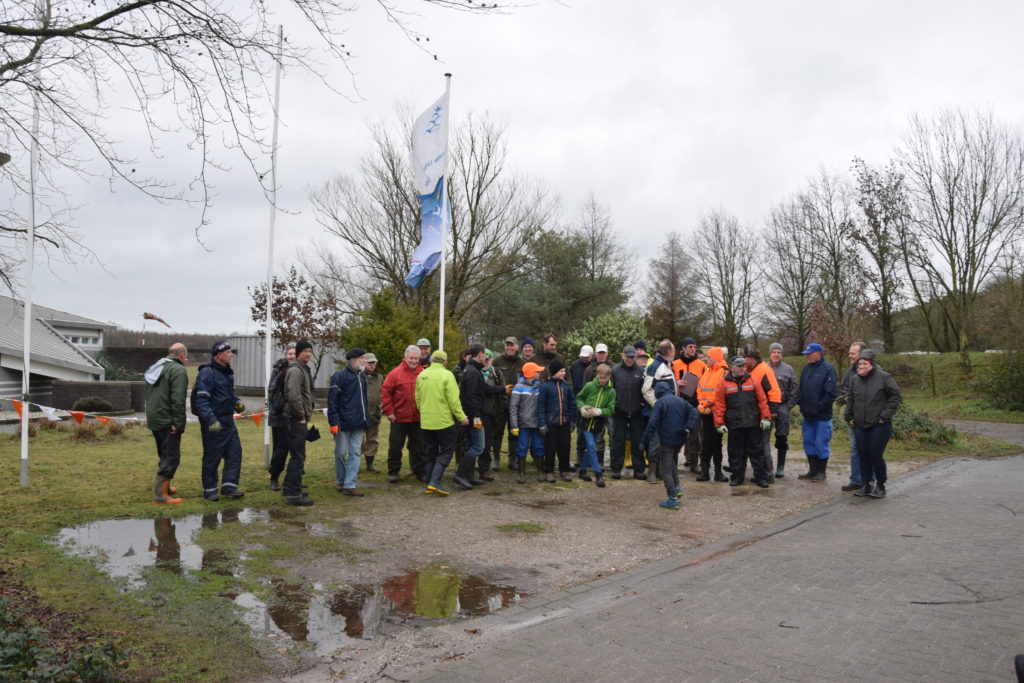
[474,447]
[871,442]
[347,448]
[855,477]
[817,435]
[530,439]
[590,461]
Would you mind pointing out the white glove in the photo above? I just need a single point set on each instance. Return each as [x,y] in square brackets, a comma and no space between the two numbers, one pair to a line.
[587,412]
[722,430]
[595,412]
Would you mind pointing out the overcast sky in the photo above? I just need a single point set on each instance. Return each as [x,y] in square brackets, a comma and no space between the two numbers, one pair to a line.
[663,112]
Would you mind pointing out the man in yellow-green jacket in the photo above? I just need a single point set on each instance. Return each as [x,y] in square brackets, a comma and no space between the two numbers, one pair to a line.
[437,398]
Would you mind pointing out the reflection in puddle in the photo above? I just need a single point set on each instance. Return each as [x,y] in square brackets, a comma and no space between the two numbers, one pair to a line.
[298,612]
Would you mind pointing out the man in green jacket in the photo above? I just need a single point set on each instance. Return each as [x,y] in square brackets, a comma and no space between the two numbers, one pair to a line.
[437,398]
[166,386]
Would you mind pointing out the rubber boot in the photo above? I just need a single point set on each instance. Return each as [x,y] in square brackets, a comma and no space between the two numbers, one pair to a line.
[819,474]
[599,479]
[521,466]
[369,464]
[164,496]
[705,471]
[781,464]
[811,468]
[541,477]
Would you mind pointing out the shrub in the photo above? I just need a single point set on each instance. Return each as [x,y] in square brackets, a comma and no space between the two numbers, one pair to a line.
[92,404]
[48,425]
[616,329]
[1002,384]
[32,431]
[117,373]
[26,656]
[87,431]
[115,428]
[911,425]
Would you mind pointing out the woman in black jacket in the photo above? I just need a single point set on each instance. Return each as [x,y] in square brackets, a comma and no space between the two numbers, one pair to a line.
[873,399]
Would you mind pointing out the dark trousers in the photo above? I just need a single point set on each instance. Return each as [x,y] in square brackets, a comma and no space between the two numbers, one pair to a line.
[297,462]
[744,445]
[712,444]
[279,450]
[217,446]
[500,425]
[670,467]
[557,443]
[438,448]
[485,461]
[693,449]
[168,449]
[402,432]
[633,429]
[871,443]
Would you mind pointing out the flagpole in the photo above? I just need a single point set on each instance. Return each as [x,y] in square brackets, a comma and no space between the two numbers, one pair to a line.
[445,208]
[26,369]
[268,323]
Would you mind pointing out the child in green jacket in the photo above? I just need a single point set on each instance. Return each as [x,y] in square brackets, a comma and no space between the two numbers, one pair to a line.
[596,402]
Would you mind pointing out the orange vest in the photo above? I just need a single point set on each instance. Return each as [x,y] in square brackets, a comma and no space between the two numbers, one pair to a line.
[763,371]
[696,366]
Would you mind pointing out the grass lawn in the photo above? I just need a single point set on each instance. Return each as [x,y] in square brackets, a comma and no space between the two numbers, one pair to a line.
[179,626]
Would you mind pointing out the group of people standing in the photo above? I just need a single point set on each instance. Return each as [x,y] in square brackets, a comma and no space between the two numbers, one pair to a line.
[649,409]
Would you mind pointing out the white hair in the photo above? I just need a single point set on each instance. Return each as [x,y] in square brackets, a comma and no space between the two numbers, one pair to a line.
[412,348]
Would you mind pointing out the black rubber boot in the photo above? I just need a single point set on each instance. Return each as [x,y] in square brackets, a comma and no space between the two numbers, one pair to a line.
[811,468]
[274,486]
[820,474]
[779,474]
[521,467]
[599,479]
[369,464]
[705,472]
[541,477]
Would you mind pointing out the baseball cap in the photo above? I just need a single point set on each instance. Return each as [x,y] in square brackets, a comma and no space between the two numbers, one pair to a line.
[629,351]
[511,340]
[531,369]
[738,360]
[219,347]
[601,347]
[370,358]
[587,350]
[439,356]
[423,341]
[813,348]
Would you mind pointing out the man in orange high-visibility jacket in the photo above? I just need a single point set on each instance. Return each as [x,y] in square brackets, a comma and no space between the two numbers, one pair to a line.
[741,410]
[689,361]
[711,440]
[763,375]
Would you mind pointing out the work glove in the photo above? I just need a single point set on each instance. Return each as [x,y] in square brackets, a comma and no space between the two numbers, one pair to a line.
[587,412]
[595,412]
[722,430]
[239,407]
[215,427]
[334,430]
[514,432]
[544,431]
[766,425]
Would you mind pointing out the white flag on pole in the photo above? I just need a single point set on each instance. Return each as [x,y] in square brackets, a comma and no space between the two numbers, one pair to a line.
[429,155]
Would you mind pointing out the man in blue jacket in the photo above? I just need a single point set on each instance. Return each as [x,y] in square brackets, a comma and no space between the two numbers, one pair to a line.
[817,392]
[349,415]
[216,404]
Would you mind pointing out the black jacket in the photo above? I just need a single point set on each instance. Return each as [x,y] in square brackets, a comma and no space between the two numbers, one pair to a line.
[628,384]
[473,389]
[872,399]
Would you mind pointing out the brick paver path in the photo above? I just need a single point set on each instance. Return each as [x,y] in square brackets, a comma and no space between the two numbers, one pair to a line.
[925,585]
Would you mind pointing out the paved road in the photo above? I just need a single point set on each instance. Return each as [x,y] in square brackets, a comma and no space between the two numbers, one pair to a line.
[1004,431]
[925,585]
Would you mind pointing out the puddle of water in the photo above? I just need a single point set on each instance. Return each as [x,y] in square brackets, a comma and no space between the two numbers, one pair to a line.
[302,614]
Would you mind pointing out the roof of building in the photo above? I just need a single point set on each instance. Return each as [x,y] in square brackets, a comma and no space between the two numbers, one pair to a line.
[53,316]
[48,345]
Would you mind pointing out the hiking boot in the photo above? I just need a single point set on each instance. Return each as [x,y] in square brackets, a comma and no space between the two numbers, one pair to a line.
[549,477]
[705,474]
[582,474]
[720,477]
[879,491]
[352,492]
[436,488]
[213,497]
[616,474]
[274,486]
[762,483]
[300,501]
[564,476]
[669,504]
[599,479]
[393,478]
[865,489]
[486,476]
[851,486]
[735,482]
[478,482]
[640,475]
[233,493]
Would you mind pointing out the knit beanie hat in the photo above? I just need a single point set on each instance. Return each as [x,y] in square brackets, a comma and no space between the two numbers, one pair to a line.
[774,346]
[302,345]
[528,340]
[554,367]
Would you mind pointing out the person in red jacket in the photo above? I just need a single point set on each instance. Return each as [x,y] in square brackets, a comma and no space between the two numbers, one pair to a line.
[741,411]
[398,403]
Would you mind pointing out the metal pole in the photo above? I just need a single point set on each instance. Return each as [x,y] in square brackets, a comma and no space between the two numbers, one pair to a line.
[269,322]
[26,365]
[445,211]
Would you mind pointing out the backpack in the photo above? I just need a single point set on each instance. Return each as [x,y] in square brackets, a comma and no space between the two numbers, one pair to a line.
[195,386]
[275,390]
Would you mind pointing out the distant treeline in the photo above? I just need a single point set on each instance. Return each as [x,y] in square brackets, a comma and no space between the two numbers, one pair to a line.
[127,338]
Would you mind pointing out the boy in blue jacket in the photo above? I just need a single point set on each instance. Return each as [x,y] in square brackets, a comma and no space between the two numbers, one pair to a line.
[672,418]
[556,415]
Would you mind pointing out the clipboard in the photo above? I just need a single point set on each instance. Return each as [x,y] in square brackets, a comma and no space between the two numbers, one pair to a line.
[690,390]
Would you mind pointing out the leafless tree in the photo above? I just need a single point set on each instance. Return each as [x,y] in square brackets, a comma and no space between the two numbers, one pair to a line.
[192,71]
[790,270]
[671,300]
[732,271]
[965,174]
[884,206]
[495,214]
[608,254]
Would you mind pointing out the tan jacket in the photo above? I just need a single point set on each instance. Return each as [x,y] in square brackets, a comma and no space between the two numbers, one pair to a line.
[298,391]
